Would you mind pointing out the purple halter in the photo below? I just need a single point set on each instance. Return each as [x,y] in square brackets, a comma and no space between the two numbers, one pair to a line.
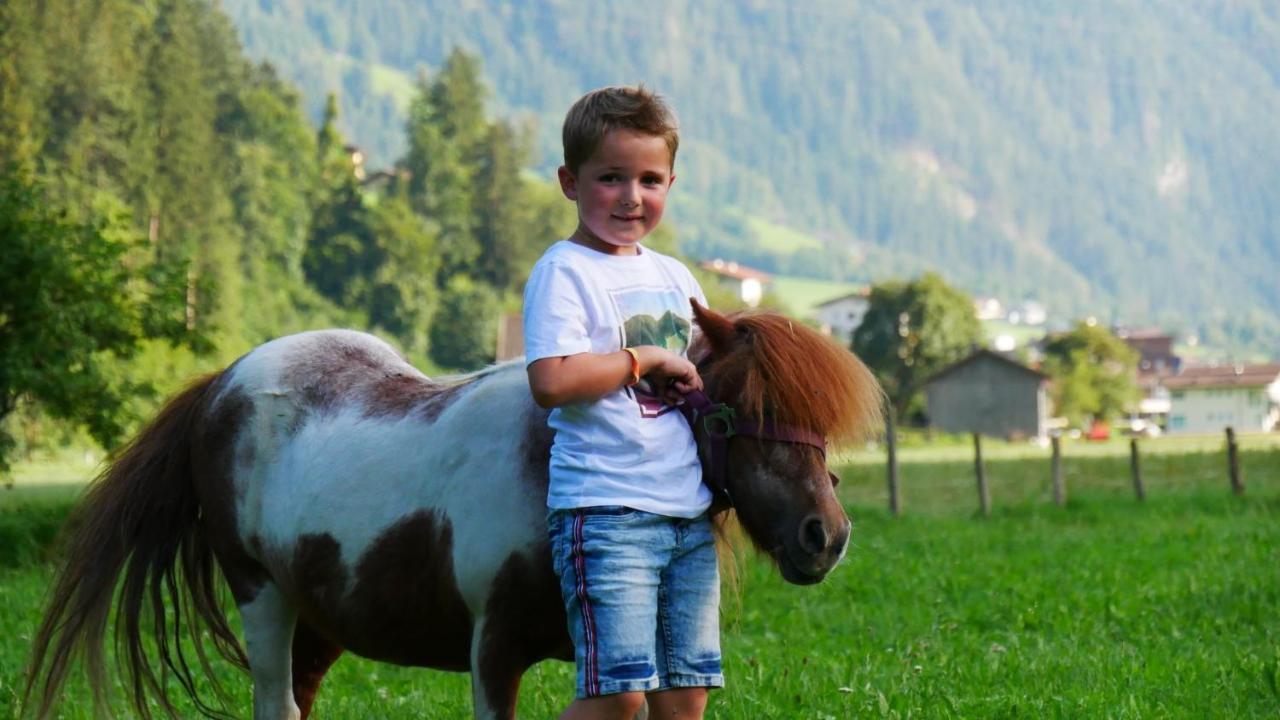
[721,422]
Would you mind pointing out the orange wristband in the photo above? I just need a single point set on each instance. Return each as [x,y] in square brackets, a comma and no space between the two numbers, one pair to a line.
[635,366]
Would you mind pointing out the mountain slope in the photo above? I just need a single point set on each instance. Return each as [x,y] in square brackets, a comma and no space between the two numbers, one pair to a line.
[1103,157]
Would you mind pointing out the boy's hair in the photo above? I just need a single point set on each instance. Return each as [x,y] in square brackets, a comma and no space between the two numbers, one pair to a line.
[610,108]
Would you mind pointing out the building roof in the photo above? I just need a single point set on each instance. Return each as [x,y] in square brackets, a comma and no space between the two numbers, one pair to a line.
[1219,376]
[978,355]
[860,293]
[731,269]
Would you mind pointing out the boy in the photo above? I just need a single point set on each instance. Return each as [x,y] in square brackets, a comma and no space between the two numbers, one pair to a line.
[607,322]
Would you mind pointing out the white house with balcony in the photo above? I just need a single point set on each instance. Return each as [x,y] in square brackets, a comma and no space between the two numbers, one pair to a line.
[1212,397]
[748,283]
[840,316]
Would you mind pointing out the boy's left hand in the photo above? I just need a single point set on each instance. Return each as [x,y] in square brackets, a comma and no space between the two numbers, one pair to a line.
[672,376]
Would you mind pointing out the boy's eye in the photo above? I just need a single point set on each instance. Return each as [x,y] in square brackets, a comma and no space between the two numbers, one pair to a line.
[651,180]
[609,177]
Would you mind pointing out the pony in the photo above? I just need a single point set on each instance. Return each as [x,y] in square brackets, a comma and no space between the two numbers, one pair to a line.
[352,504]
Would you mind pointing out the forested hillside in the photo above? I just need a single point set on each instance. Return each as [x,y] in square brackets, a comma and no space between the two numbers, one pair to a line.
[165,205]
[1117,159]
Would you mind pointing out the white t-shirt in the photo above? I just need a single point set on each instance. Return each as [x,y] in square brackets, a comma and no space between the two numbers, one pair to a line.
[629,447]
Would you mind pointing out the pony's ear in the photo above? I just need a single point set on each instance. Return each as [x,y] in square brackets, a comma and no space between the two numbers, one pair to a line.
[717,328]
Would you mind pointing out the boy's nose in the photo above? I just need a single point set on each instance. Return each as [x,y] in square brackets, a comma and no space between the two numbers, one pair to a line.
[631,195]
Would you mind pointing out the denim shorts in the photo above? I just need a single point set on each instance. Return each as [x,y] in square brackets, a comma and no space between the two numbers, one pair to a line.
[642,594]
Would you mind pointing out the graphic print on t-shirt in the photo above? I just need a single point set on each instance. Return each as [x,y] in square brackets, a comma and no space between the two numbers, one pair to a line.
[652,316]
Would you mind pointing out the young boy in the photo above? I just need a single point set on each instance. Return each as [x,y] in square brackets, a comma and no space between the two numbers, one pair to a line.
[607,322]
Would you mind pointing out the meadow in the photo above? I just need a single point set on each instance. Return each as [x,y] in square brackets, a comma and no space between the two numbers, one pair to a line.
[1104,608]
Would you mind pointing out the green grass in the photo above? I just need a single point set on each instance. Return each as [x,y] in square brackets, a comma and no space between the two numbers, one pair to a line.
[1105,608]
[1023,335]
[803,295]
[780,238]
[387,80]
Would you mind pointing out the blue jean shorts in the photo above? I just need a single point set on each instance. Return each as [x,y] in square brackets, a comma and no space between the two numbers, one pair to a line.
[642,593]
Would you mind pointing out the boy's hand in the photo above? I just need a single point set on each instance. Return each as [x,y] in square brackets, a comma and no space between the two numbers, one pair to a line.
[671,375]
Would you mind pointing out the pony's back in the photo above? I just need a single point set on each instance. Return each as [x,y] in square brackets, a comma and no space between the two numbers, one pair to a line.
[339,490]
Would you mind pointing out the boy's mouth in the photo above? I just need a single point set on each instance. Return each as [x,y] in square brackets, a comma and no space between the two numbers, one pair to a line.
[628,218]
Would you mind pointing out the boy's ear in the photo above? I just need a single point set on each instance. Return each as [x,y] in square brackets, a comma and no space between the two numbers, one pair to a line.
[717,328]
[568,183]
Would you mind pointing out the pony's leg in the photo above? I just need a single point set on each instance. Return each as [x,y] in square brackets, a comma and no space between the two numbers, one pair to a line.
[312,657]
[268,634]
[495,676]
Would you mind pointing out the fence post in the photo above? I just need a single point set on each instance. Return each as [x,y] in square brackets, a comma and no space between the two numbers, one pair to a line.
[891,442]
[1233,462]
[984,497]
[1059,490]
[1136,467]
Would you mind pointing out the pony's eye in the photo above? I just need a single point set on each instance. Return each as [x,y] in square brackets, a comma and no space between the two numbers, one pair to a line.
[835,479]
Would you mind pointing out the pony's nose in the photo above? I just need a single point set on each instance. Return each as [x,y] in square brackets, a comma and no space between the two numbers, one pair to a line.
[817,537]
[814,537]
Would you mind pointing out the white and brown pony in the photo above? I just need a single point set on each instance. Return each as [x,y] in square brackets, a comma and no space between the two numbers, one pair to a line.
[350,503]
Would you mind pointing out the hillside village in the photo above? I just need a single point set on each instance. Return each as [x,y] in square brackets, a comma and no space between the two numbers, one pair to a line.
[1178,395]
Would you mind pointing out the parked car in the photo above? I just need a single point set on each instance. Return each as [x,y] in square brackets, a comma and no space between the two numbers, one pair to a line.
[1141,427]
[1098,430]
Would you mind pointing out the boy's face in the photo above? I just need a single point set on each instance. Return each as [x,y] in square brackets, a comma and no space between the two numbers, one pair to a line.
[621,191]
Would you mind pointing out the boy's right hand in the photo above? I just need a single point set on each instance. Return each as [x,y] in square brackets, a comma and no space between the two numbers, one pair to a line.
[671,375]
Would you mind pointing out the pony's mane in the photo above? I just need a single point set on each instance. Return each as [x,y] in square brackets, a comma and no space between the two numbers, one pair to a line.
[789,372]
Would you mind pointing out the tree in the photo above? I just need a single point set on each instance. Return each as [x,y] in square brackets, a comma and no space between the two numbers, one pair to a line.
[446,132]
[464,332]
[1093,373]
[72,295]
[502,209]
[341,256]
[911,331]
[403,293]
[19,81]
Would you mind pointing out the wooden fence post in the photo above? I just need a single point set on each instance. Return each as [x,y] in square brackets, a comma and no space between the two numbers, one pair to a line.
[1233,462]
[1059,490]
[891,442]
[1136,467]
[984,497]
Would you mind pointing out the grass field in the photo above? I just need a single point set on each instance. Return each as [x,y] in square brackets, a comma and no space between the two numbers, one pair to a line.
[1104,608]
[802,295]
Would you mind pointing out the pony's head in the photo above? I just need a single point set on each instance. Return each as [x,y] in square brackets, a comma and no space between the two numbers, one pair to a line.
[789,388]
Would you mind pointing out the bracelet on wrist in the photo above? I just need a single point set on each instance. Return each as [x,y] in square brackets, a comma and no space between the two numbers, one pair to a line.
[634,377]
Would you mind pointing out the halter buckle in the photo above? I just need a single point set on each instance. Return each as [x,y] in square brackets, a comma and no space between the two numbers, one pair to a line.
[724,414]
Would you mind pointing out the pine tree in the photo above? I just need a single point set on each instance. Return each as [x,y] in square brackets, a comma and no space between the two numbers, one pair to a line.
[502,210]
[342,256]
[403,295]
[445,131]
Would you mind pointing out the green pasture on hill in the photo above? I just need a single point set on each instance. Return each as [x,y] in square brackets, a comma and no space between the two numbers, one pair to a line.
[1104,608]
[803,295]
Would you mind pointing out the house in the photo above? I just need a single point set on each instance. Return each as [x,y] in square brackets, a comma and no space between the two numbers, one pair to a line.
[988,308]
[990,394]
[1156,362]
[1212,397]
[840,316]
[356,155]
[1029,312]
[1155,350]
[748,283]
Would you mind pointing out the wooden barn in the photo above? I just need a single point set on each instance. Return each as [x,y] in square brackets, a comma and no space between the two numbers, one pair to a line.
[990,394]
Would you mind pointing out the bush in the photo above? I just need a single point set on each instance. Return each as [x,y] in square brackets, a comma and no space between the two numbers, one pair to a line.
[28,532]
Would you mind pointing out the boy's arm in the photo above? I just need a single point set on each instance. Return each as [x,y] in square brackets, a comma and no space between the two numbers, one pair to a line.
[587,377]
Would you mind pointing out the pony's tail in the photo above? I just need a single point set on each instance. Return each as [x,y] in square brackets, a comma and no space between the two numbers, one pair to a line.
[137,530]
